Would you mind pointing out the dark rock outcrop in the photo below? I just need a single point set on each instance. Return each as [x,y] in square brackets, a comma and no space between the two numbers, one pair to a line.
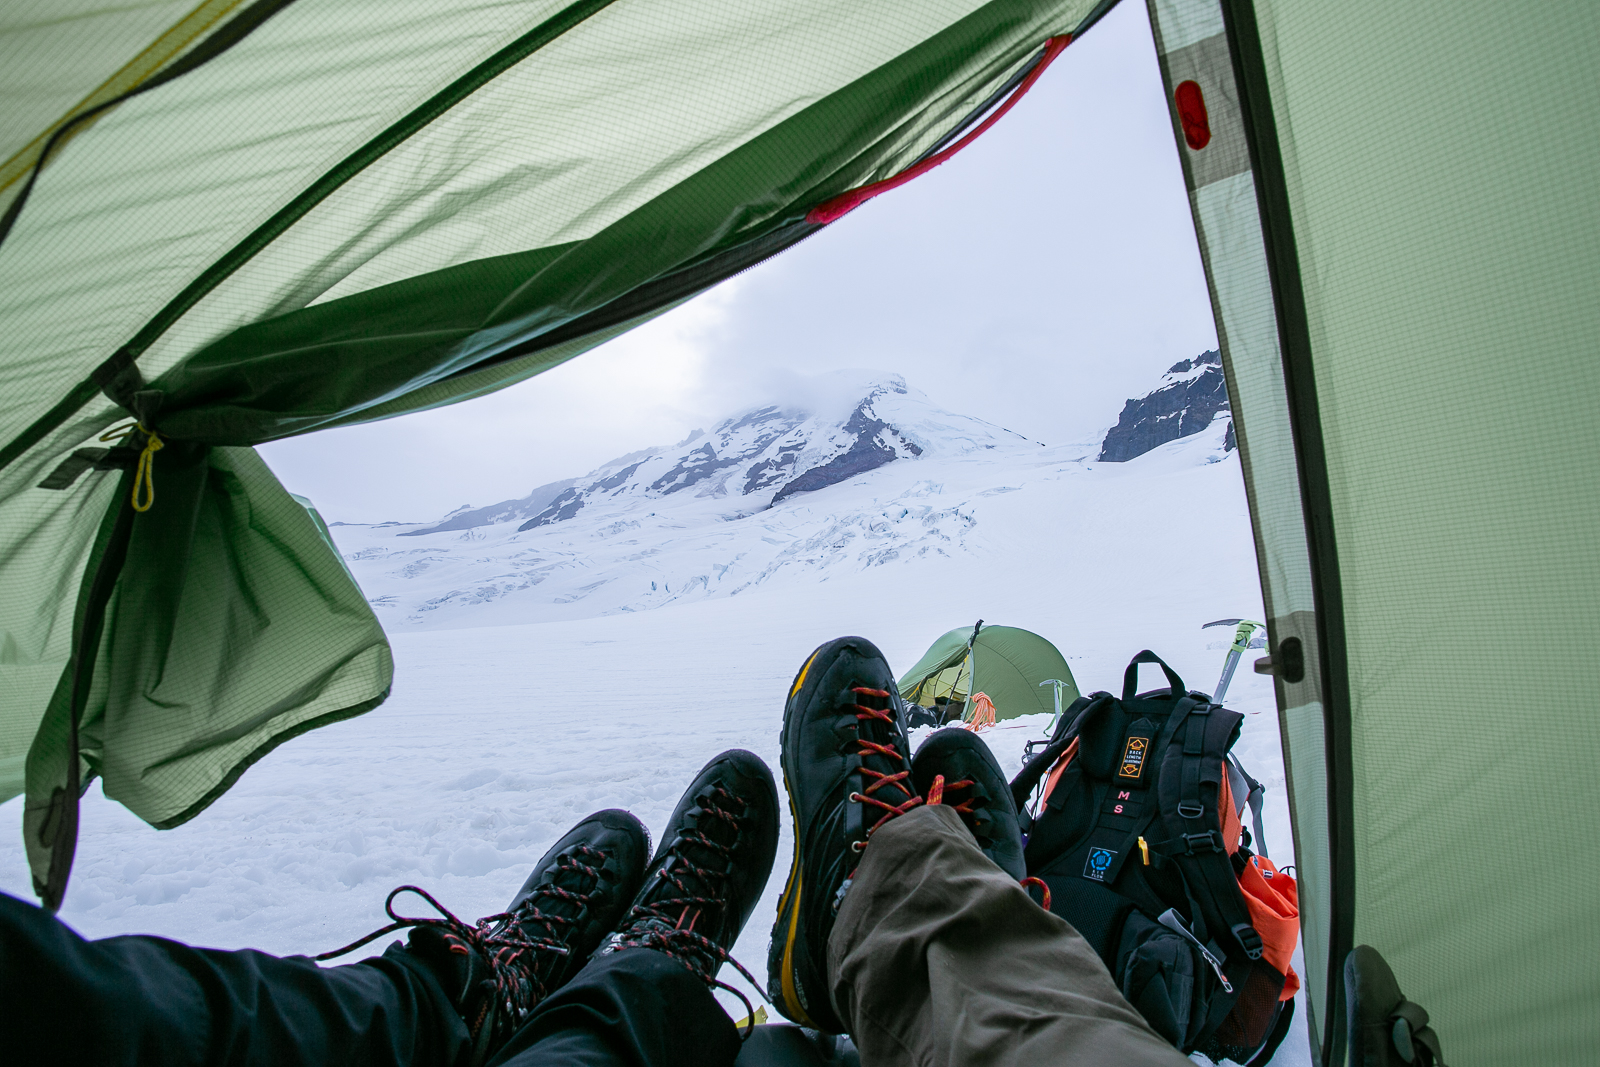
[868,451]
[505,511]
[564,506]
[1177,409]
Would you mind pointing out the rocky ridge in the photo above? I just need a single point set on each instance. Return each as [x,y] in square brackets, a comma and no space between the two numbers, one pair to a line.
[1191,395]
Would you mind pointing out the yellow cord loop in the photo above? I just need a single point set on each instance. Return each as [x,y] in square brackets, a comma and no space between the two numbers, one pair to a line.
[144,476]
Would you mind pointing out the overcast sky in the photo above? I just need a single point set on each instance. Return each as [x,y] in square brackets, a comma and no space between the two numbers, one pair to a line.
[1038,280]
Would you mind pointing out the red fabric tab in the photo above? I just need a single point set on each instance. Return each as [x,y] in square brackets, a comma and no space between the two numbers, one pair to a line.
[1192,114]
[844,203]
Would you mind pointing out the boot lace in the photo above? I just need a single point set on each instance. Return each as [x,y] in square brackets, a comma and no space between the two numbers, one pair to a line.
[507,941]
[667,924]
[936,793]
[880,780]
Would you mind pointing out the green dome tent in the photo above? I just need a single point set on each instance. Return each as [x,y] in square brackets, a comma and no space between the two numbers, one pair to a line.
[1007,663]
[237,221]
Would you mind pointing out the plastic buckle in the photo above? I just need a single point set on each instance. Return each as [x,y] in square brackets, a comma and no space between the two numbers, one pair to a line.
[1211,839]
[1190,811]
[1249,939]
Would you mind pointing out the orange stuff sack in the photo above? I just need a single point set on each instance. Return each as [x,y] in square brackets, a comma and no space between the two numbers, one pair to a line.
[1274,902]
[1272,897]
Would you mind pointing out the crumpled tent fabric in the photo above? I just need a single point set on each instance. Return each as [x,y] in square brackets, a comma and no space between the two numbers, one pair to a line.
[317,214]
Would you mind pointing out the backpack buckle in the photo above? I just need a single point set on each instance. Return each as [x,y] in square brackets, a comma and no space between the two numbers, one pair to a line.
[1249,939]
[1190,811]
[1210,841]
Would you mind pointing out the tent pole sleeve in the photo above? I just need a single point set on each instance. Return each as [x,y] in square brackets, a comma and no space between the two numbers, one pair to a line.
[1283,268]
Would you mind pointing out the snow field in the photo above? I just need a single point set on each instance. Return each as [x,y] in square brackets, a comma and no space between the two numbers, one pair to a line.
[502,732]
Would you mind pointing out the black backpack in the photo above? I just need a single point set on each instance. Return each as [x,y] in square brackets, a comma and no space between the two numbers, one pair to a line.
[1129,840]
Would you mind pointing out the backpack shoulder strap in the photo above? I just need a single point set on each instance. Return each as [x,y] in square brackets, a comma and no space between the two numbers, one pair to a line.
[1023,784]
[1242,784]
[1190,788]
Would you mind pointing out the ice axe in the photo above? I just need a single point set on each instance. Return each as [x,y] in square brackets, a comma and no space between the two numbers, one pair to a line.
[1241,641]
[1059,684]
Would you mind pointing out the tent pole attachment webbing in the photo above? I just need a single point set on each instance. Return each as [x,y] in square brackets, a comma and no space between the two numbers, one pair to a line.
[1283,269]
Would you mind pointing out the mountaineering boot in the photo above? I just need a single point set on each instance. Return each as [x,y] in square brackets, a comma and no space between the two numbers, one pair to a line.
[496,970]
[710,869]
[844,756]
[975,786]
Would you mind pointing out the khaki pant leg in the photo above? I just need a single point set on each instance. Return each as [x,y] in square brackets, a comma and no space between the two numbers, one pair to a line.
[938,959]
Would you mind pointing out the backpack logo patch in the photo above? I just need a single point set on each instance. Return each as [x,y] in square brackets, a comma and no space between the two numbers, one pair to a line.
[1098,863]
[1133,757]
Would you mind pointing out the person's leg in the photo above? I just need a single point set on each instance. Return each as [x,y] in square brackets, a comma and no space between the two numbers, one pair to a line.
[132,1000]
[645,999]
[626,1009]
[453,994]
[938,957]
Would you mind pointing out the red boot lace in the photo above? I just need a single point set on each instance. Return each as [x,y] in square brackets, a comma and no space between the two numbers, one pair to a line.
[668,925]
[880,780]
[936,796]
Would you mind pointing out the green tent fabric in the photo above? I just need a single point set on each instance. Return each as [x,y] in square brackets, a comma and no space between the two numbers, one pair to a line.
[1396,214]
[1005,662]
[236,222]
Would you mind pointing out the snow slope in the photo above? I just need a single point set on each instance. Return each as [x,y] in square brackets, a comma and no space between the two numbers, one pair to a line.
[600,659]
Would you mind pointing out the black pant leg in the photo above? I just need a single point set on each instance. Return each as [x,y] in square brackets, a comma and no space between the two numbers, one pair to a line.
[146,1000]
[635,1008]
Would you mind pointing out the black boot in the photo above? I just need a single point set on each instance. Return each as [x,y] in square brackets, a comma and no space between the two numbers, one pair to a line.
[496,970]
[975,786]
[846,768]
[710,869]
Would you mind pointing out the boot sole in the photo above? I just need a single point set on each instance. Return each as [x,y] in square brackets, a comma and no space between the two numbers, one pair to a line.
[789,903]
[788,926]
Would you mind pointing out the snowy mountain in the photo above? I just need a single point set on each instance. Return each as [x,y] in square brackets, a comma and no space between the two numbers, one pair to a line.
[859,477]
[1190,398]
[765,455]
